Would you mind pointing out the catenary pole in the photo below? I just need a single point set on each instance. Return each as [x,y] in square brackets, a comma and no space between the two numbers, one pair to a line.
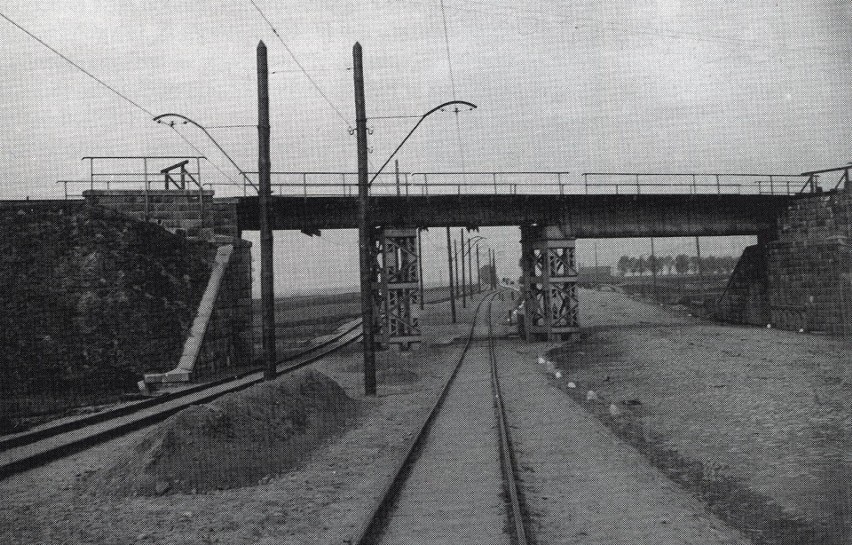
[264,168]
[420,264]
[700,269]
[478,272]
[364,234]
[461,255]
[456,264]
[452,282]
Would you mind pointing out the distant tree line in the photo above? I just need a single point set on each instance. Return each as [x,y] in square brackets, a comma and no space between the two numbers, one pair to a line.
[679,264]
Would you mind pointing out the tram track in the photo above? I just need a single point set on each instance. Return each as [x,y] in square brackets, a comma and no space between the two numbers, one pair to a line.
[374,528]
[27,450]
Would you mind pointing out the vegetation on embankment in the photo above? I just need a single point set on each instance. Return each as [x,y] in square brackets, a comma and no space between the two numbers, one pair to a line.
[90,300]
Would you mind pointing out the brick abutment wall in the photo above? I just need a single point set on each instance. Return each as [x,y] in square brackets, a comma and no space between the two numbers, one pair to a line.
[810,266]
[227,339]
[802,280]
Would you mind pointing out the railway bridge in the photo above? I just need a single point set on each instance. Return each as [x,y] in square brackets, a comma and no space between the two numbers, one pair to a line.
[551,210]
[551,214]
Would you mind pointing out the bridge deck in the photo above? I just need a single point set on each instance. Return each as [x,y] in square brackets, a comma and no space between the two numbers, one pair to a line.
[588,216]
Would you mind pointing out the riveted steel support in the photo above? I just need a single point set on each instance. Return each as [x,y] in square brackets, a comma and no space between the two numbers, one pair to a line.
[549,283]
[397,287]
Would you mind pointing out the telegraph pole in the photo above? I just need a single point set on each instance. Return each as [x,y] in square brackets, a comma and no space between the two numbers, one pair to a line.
[363,227]
[452,283]
[264,167]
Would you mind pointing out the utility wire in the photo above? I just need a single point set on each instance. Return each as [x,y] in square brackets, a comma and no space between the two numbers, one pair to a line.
[80,68]
[452,84]
[193,146]
[111,88]
[302,68]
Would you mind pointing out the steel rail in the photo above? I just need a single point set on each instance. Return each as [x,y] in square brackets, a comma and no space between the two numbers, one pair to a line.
[372,526]
[138,415]
[371,529]
[176,401]
[507,457]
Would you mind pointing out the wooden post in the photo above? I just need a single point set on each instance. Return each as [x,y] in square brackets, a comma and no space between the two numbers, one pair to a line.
[419,262]
[463,286]
[452,282]
[264,167]
[364,234]
[478,271]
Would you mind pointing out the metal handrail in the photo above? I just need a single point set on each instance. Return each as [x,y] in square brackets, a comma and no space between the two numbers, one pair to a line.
[691,180]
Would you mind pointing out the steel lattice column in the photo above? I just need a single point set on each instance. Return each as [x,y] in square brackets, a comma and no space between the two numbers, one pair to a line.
[397,287]
[549,283]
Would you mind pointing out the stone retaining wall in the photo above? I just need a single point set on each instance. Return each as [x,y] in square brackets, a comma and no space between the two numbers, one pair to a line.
[809,285]
[227,338]
[806,280]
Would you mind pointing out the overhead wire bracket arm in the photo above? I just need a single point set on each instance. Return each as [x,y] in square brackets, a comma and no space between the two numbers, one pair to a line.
[159,119]
[424,116]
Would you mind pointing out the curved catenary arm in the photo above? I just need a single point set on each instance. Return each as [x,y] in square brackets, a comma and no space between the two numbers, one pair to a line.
[427,114]
[159,119]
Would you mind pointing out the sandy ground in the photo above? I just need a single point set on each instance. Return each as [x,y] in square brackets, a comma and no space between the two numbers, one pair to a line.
[583,485]
[778,425]
[765,412]
[322,501]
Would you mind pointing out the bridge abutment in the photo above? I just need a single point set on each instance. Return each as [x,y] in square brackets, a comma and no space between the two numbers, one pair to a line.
[549,268]
[801,280]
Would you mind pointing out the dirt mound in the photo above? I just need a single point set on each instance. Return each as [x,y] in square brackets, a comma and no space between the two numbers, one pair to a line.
[237,440]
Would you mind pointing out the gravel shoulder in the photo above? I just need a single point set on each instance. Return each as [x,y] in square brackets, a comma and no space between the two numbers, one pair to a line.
[756,421]
[582,484]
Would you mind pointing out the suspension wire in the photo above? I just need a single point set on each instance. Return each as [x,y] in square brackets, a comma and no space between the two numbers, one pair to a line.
[302,68]
[452,84]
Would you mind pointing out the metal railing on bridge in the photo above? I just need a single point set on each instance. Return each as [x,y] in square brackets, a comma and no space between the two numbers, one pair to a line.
[691,183]
[345,184]
[138,172]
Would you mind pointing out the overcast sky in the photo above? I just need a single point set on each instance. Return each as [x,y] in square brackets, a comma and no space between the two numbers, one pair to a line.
[654,85]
